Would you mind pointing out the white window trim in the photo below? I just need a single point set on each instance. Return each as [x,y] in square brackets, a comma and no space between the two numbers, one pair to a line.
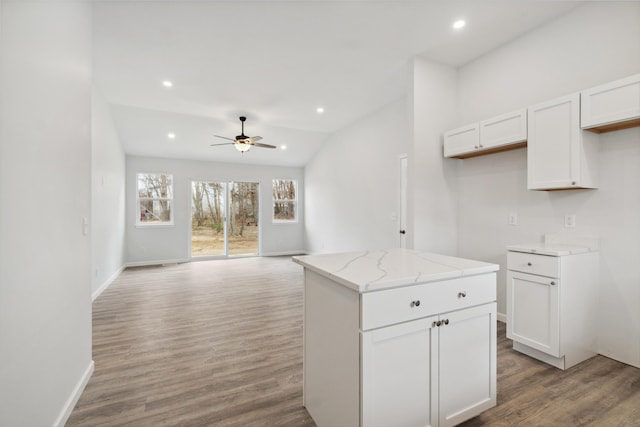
[164,224]
[294,201]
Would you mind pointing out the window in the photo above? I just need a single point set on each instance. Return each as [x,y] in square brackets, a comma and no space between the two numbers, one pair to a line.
[285,200]
[155,199]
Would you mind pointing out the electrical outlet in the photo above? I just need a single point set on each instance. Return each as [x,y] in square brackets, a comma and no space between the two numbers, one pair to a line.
[513,219]
[570,221]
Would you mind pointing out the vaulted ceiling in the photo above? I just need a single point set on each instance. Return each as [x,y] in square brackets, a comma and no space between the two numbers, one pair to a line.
[276,62]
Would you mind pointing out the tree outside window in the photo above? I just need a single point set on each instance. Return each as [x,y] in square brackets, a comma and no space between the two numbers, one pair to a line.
[285,200]
[155,199]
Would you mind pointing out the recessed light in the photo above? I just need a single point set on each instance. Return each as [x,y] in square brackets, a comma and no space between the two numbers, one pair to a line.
[459,24]
[171,135]
[320,110]
[283,147]
[167,83]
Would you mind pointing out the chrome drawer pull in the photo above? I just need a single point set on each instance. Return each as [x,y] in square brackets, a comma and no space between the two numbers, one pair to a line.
[529,264]
[462,294]
[415,303]
[553,283]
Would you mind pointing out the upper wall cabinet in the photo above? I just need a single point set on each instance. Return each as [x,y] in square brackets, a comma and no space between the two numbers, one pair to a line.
[501,133]
[462,142]
[611,106]
[560,155]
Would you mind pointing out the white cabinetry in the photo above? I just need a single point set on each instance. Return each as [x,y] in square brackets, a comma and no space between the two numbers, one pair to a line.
[504,131]
[551,304]
[501,133]
[611,106]
[462,142]
[560,155]
[444,365]
[405,355]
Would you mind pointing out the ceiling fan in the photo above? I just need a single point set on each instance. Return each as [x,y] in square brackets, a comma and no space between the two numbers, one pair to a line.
[243,142]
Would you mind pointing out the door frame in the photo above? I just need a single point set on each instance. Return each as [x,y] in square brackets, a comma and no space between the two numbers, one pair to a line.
[403,192]
[225,255]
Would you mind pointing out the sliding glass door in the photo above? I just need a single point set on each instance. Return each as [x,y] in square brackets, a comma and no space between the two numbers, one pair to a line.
[224,219]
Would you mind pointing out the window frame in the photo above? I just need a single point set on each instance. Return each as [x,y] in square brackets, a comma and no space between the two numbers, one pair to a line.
[161,224]
[295,202]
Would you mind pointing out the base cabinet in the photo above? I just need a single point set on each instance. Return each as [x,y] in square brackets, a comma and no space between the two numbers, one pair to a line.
[396,375]
[466,364]
[552,306]
[437,371]
[534,312]
[437,368]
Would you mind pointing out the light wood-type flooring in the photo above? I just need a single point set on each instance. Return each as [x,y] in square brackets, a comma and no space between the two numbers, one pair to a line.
[219,343]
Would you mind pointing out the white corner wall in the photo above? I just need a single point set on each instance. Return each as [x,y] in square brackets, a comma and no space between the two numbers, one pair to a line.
[148,245]
[592,44]
[352,184]
[45,176]
[432,178]
[107,197]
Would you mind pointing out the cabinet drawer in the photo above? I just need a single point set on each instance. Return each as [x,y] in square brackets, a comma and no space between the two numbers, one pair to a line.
[392,306]
[541,265]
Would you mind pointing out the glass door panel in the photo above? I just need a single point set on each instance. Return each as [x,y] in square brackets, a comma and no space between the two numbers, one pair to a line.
[242,227]
[208,202]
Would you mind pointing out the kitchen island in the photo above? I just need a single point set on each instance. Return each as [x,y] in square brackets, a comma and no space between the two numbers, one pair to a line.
[398,338]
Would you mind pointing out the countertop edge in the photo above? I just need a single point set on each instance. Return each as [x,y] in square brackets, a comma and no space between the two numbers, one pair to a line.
[401,282]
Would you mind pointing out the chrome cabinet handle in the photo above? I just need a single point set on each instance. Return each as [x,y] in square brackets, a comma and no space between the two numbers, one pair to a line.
[415,303]
[462,294]
[553,282]
[440,323]
[529,264]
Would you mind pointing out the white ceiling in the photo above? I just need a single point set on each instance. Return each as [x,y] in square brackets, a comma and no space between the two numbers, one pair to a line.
[276,62]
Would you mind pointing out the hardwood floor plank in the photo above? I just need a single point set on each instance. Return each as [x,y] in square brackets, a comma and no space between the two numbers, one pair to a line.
[219,343]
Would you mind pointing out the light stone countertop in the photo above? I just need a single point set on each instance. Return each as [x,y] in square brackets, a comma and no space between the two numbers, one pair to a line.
[367,271]
[550,249]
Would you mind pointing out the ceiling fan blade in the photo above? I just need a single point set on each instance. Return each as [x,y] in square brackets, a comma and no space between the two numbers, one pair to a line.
[224,137]
[224,143]
[264,145]
[255,138]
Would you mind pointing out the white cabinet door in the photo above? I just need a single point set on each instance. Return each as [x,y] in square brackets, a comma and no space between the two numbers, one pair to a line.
[504,130]
[467,363]
[611,106]
[462,140]
[533,311]
[560,155]
[396,375]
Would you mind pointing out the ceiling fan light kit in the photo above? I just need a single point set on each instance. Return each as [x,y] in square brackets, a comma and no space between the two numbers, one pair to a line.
[243,142]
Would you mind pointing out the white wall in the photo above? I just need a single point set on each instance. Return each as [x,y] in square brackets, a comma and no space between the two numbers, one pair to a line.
[432,178]
[593,44]
[45,176]
[107,196]
[352,184]
[148,245]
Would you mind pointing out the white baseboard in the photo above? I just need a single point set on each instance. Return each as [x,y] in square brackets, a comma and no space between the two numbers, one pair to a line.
[73,398]
[501,317]
[160,262]
[108,282]
[284,253]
